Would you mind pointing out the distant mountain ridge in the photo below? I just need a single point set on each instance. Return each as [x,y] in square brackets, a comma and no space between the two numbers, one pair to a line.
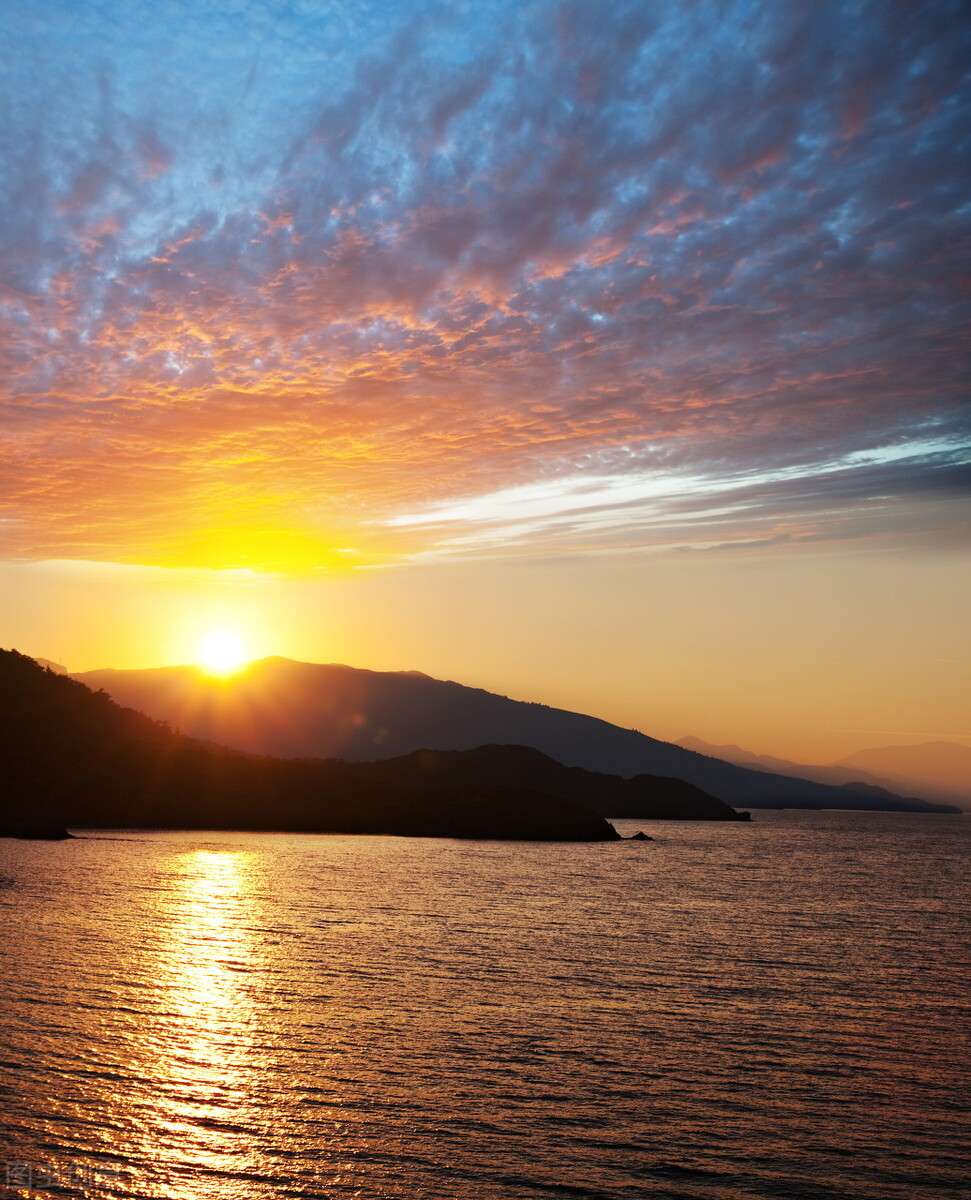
[912,770]
[307,710]
[932,765]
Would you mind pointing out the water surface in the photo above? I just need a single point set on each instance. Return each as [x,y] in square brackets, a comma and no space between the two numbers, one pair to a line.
[729,1011]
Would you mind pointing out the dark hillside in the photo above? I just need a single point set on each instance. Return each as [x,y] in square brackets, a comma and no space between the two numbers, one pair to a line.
[647,797]
[73,756]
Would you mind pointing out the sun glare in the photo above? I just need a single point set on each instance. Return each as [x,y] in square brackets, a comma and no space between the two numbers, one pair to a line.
[221,652]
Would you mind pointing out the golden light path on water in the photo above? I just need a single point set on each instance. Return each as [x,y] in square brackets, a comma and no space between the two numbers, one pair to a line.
[207,983]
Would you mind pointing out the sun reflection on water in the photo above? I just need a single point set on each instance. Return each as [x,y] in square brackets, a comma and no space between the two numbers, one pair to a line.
[207,1124]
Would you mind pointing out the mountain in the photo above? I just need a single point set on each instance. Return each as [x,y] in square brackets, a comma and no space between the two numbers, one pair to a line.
[939,771]
[834,775]
[298,710]
[73,757]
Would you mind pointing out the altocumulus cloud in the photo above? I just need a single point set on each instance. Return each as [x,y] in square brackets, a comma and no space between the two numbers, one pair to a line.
[449,279]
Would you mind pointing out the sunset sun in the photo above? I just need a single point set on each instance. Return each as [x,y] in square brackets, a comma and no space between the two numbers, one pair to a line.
[221,652]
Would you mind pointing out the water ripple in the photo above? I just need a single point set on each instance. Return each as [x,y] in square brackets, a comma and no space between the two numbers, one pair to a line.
[734,1013]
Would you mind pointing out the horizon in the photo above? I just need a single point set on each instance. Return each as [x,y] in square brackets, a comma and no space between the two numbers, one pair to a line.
[607,355]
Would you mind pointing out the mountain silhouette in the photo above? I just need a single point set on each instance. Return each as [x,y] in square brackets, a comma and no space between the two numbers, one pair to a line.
[645,796]
[57,668]
[298,710]
[73,757]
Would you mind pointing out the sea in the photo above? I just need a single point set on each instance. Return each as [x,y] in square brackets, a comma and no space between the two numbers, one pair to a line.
[775,1009]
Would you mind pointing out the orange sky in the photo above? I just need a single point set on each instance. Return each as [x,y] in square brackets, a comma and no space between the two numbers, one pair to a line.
[808,655]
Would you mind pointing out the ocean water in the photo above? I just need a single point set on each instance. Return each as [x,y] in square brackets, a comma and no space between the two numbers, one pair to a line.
[729,1011]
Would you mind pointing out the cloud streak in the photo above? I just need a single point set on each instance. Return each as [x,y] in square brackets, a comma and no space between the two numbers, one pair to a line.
[297,279]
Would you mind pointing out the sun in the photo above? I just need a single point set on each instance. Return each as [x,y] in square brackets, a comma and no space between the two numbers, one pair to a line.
[221,652]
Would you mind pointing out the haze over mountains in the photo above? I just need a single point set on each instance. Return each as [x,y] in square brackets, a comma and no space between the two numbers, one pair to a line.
[938,771]
[304,710]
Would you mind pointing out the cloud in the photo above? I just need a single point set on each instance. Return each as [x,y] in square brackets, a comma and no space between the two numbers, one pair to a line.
[855,496]
[312,274]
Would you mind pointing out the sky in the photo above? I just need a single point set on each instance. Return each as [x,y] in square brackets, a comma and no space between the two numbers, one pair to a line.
[613,355]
